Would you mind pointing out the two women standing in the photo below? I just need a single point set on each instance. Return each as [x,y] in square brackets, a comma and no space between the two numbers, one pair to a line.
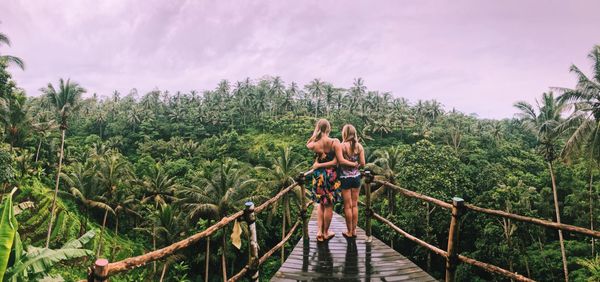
[335,168]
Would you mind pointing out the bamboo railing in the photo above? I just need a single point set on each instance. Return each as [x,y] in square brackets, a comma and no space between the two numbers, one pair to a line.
[457,208]
[103,269]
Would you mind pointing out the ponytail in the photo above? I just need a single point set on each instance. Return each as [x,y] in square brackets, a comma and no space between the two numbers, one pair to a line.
[349,135]
[322,127]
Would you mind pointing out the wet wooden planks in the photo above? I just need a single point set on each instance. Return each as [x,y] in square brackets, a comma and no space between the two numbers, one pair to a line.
[343,259]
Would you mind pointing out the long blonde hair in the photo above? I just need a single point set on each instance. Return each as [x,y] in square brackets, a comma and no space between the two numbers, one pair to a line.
[322,127]
[349,135]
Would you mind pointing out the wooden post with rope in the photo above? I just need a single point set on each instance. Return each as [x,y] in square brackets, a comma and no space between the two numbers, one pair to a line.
[369,210]
[250,219]
[452,257]
[301,179]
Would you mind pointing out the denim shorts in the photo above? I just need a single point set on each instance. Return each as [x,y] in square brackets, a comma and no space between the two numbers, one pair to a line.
[350,182]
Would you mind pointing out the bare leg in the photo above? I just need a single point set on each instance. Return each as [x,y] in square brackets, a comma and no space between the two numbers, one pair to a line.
[319,220]
[348,209]
[355,192]
[328,214]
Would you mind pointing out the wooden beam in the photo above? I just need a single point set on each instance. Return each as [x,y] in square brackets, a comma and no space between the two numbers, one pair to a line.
[494,269]
[415,195]
[537,221]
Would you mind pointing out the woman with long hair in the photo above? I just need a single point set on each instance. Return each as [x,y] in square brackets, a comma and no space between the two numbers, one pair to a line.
[350,156]
[325,183]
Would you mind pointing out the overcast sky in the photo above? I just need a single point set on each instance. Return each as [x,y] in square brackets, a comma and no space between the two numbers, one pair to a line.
[477,56]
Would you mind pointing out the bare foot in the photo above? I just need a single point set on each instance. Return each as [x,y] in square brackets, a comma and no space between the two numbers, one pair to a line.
[320,238]
[329,235]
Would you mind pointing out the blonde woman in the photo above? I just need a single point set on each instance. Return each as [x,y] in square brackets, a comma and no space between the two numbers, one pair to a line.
[350,157]
[325,184]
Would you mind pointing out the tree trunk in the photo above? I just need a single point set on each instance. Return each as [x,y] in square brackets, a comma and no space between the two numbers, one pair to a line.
[164,270]
[223,262]
[154,245]
[206,263]
[527,266]
[283,233]
[53,210]
[427,236]
[592,209]
[288,214]
[557,210]
[114,249]
[98,252]
[506,224]
[37,152]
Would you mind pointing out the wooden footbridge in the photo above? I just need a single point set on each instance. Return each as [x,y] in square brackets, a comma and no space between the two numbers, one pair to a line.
[346,259]
[362,259]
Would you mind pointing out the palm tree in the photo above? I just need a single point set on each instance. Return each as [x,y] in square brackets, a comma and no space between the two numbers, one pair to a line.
[545,124]
[285,166]
[63,100]
[43,125]
[356,93]
[224,187]
[158,189]
[316,89]
[585,121]
[386,164]
[168,224]
[81,183]
[14,118]
[113,173]
[8,59]
[165,227]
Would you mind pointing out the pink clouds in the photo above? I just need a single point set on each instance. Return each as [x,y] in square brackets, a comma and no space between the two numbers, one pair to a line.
[476,56]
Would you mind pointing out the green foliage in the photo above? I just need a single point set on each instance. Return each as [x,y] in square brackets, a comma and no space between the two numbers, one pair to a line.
[8,231]
[170,164]
[35,262]
[6,169]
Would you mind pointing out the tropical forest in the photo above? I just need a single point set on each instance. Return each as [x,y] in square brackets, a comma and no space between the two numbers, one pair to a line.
[88,175]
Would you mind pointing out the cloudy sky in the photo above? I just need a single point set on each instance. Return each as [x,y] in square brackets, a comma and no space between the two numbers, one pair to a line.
[477,56]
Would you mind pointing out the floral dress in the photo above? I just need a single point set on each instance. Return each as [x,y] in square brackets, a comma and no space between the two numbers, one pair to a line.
[325,183]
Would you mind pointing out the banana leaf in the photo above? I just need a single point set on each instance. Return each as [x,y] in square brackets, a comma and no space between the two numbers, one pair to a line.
[37,261]
[8,229]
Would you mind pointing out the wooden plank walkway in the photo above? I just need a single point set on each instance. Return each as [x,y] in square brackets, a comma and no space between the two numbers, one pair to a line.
[343,259]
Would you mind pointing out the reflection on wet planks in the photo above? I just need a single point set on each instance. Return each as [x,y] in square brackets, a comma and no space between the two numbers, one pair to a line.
[347,259]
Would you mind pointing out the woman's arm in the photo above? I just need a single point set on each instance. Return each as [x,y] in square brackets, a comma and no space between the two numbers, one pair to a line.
[339,155]
[361,157]
[317,164]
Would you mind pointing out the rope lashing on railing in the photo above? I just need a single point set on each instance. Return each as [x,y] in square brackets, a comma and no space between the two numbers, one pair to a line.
[268,254]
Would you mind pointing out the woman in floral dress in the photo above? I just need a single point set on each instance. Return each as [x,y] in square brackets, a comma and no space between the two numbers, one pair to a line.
[325,184]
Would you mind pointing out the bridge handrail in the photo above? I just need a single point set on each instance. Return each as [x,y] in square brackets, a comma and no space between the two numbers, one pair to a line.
[522,218]
[457,207]
[101,269]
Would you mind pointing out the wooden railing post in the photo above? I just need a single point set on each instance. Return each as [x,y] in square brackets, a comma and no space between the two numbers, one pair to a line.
[250,218]
[453,235]
[303,214]
[368,210]
[99,272]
